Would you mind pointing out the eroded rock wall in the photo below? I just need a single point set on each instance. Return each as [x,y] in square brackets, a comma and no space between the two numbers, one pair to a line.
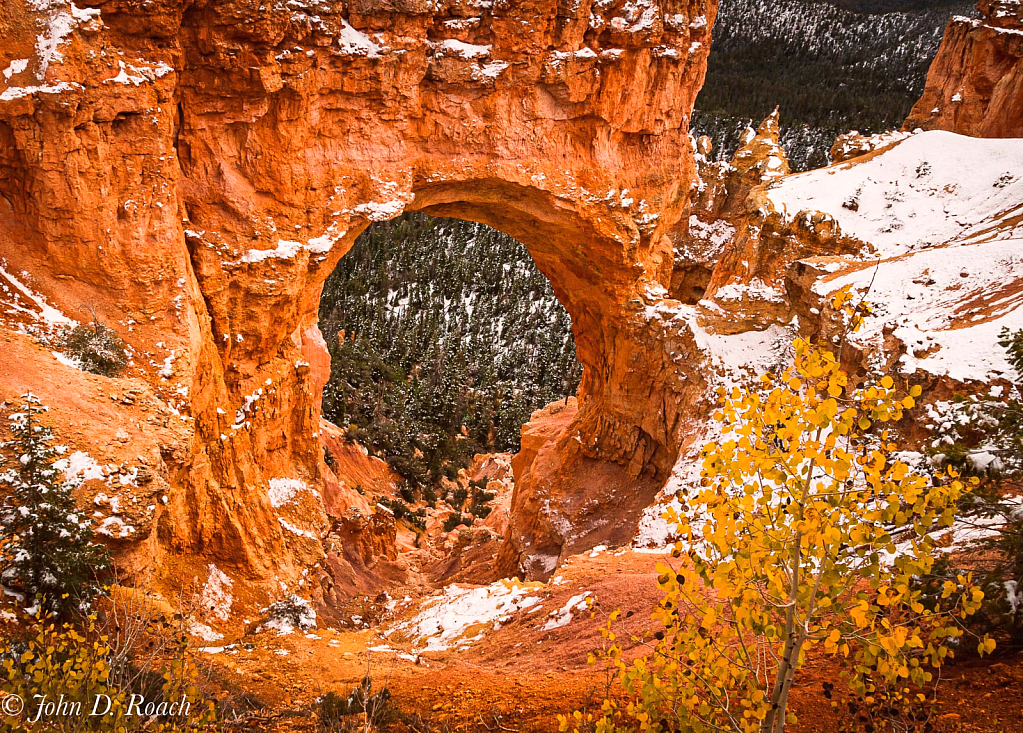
[194,171]
[975,84]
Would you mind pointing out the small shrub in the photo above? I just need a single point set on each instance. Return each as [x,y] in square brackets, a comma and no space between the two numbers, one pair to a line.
[403,513]
[331,460]
[480,510]
[454,519]
[480,499]
[374,710]
[458,497]
[77,665]
[96,348]
[430,496]
[292,613]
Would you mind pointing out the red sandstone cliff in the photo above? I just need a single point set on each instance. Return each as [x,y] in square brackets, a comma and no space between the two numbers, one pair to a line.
[975,84]
[194,171]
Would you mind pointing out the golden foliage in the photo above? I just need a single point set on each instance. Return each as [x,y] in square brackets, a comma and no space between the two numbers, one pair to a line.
[73,667]
[789,544]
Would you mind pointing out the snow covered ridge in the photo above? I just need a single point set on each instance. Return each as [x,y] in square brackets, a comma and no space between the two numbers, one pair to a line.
[932,188]
[944,213]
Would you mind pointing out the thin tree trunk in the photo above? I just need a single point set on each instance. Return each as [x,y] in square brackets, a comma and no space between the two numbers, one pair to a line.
[783,701]
[775,720]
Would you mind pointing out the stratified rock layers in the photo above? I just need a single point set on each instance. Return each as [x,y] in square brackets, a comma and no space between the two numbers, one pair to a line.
[975,84]
[194,171]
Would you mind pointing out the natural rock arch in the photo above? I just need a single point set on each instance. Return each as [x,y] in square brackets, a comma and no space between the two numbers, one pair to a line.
[200,167]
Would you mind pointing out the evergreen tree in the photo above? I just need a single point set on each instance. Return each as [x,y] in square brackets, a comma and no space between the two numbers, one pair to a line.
[46,548]
[1008,434]
[982,436]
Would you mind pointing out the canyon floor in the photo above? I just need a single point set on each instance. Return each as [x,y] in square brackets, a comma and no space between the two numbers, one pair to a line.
[520,676]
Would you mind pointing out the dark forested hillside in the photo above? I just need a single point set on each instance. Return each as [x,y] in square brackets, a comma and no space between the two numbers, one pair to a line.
[451,338]
[830,69]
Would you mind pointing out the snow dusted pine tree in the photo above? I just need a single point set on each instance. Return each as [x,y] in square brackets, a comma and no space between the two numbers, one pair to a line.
[46,548]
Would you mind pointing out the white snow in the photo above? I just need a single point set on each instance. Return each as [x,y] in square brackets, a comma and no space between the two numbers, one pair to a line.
[380,211]
[15,67]
[216,598]
[79,466]
[123,77]
[17,92]
[947,305]
[115,527]
[462,49]
[490,71]
[445,621]
[637,15]
[563,616]
[718,233]
[296,530]
[66,360]
[284,490]
[356,43]
[204,632]
[50,315]
[287,249]
[749,352]
[931,188]
[754,290]
[167,370]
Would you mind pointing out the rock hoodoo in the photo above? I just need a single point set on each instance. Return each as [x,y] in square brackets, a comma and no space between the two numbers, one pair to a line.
[194,171]
[975,85]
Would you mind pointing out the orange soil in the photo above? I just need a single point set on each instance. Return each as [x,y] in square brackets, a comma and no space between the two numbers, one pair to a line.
[526,676]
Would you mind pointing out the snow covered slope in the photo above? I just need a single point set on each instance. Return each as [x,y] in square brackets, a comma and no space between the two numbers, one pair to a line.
[940,216]
[932,188]
[944,214]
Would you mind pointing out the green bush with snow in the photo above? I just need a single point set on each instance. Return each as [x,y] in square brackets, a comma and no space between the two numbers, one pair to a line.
[95,349]
[46,548]
[982,435]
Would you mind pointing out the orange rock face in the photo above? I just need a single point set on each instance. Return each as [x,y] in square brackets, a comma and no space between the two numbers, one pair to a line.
[194,171]
[735,256]
[975,84]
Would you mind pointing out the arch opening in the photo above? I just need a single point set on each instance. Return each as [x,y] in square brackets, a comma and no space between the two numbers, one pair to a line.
[444,338]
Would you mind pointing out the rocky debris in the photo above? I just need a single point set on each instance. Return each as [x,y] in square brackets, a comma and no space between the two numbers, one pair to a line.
[975,84]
